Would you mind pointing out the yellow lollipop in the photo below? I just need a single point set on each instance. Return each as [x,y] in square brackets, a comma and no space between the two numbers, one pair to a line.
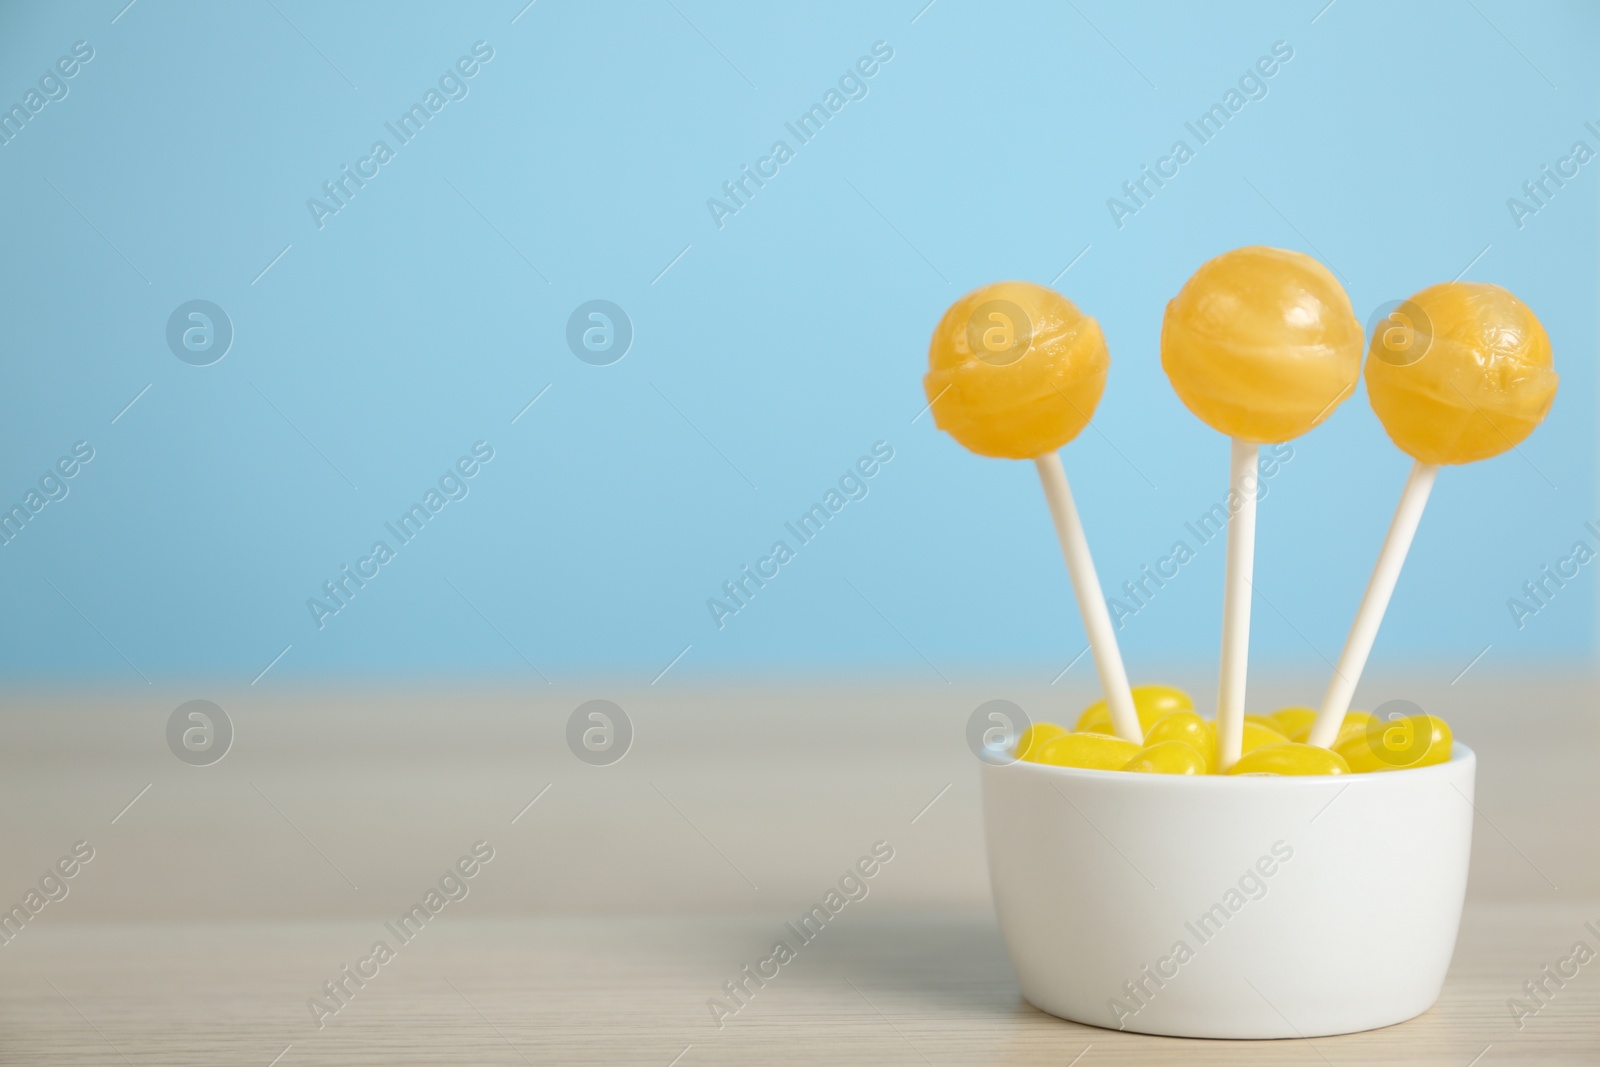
[1015,371]
[1460,372]
[1261,344]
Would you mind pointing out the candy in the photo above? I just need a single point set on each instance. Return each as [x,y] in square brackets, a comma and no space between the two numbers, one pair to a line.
[1169,757]
[1460,372]
[1150,701]
[1256,735]
[1034,737]
[1290,758]
[1261,344]
[1015,370]
[1181,742]
[1398,744]
[1354,723]
[1265,720]
[1292,721]
[1190,728]
[1093,751]
[1187,727]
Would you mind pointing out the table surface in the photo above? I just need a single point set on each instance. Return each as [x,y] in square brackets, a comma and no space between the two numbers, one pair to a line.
[222,898]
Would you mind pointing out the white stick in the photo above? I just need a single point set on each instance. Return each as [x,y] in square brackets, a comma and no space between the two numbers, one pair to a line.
[1353,660]
[1236,590]
[1091,603]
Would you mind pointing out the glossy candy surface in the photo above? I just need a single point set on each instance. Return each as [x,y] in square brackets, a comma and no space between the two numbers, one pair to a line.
[1093,751]
[1295,720]
[1290,758]
[1181,742]
[1034,737]
[1397,744]
[1460,372]
[1256,735]
[1168,757]
[1152,702]
[1261,343]
[1187,727]
[1015,370]
[1354,725]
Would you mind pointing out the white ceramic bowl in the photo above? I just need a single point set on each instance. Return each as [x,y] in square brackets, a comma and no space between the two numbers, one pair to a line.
[1230,907]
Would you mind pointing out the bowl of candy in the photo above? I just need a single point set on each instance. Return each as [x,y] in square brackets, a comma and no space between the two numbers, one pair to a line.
[1287,875]
[1306,892]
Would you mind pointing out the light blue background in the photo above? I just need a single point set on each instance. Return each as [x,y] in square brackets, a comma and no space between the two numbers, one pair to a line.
[789,340]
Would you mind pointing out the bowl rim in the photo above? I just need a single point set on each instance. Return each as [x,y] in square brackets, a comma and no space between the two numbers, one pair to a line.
[1460,754]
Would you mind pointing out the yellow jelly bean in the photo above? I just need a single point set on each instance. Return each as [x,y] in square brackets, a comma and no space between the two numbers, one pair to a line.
[1152,702]
[1291,721]
[1168,757]
[1398,744]
[1094,751]
[1354,723]
[1015,370]
[1290,758]
[1256,735]
[1188,727]
[1460,372]
[1261,343]
[1034,737]
[1264,720]
[1097,720]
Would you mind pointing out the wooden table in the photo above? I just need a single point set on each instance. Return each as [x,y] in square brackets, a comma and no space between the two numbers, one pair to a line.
[619,902]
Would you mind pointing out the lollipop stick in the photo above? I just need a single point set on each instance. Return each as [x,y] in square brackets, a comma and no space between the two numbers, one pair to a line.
[1091,603]
[1236,590]
[1373,604]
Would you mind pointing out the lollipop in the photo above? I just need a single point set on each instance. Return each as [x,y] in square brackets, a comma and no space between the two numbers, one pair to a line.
[1261,344]
[1458,373]
[1015,371]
